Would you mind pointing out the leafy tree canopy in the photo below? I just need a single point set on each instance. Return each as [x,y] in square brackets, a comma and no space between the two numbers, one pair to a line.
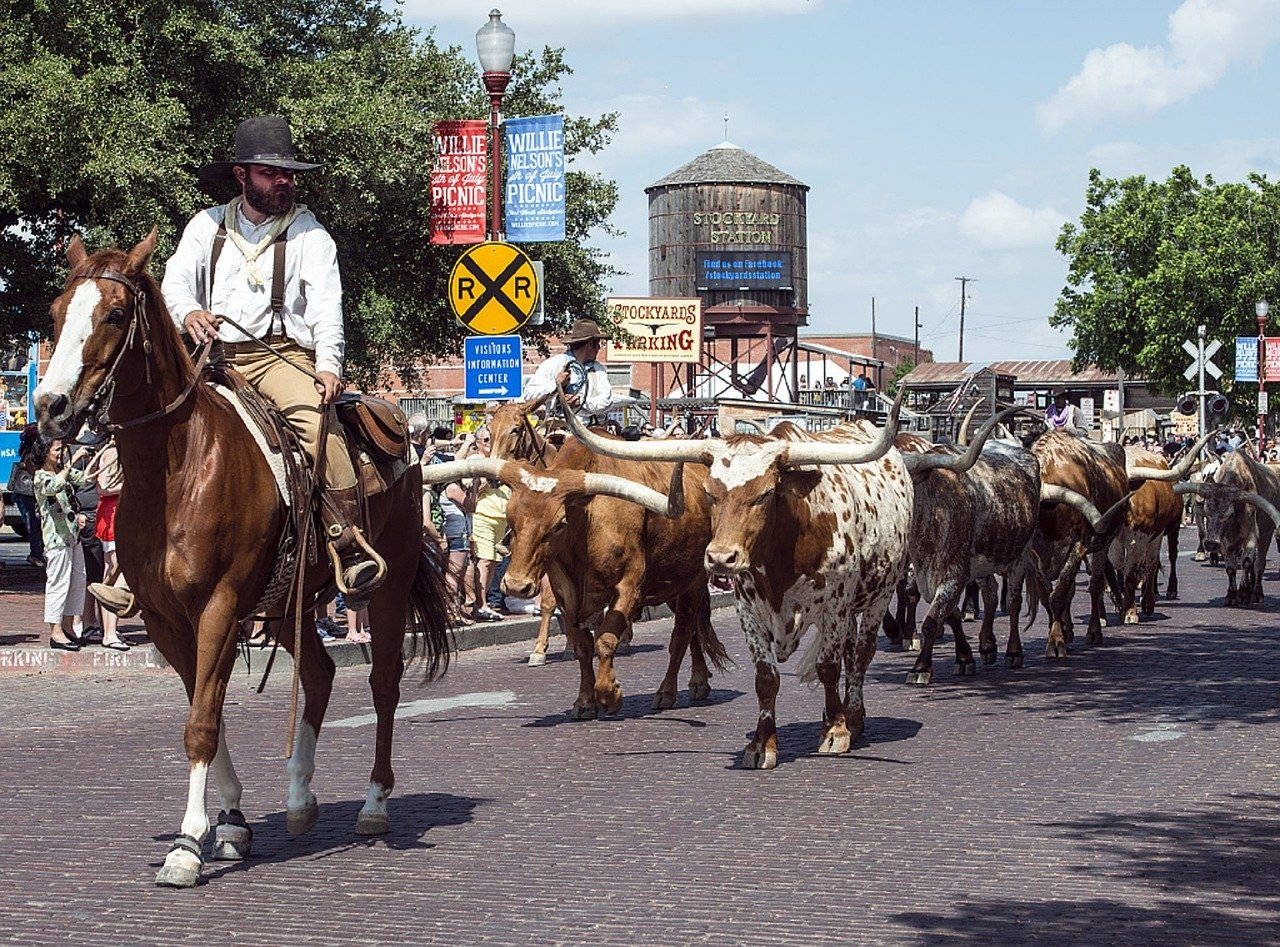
[1152,260]
[111,105]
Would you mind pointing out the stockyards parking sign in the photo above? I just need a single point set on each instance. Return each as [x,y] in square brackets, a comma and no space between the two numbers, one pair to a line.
[655,330]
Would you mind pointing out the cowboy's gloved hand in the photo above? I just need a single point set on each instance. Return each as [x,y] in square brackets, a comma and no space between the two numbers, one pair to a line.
[202,325]
[329,386]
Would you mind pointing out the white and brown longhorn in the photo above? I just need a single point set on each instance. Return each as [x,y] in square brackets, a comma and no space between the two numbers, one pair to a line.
[813,529]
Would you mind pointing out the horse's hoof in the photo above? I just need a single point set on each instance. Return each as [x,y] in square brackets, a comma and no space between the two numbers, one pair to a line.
[835,742]
[664,700]
[180,870]
[301,821]
[989,657]
[231,843]
[922,678]
[371,823]
[755,758]
[699,690]
[537,660]
[1056,649]
[1013,660]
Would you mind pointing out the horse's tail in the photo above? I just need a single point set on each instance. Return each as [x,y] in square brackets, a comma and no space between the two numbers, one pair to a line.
[431,612]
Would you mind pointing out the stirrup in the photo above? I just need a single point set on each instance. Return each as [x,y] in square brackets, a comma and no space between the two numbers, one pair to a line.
[114,599]
[362,589]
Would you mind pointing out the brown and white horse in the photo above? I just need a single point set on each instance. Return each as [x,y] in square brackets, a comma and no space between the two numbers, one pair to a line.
[198,527]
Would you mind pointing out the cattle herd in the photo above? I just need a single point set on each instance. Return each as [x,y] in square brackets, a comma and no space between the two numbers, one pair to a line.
[820,531]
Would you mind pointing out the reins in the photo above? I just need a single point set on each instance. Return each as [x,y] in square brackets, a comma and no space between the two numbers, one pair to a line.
[538,445]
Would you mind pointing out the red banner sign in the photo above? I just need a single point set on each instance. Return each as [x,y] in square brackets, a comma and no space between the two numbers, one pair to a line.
[458,182]
[1271,360]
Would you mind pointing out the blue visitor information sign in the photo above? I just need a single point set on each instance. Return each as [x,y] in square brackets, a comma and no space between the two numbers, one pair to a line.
[494,367]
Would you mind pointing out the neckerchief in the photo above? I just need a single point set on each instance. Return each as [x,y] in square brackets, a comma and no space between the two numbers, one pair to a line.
[251,251]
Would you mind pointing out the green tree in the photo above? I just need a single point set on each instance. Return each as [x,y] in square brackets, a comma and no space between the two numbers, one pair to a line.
[111,105]
[900,372]
[1152,260]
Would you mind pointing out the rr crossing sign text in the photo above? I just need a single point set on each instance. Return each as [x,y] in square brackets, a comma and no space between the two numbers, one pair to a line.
[493,288]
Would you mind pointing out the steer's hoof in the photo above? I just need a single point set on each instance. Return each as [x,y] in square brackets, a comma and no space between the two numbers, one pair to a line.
[835,742]
[969,615]
[371,823]
[699,690]
[181,869]
[301,821]
[1056,649]
[753,757]
[920,677]
[583,710]
[665,700]
[537,660]
[1094,636]
[1013,660]
[1131,617]
[989,657]
[966,668]
[1199,557]
[917,643]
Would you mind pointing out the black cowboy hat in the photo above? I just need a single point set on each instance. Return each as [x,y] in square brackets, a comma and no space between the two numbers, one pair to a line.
[263,139]
[584,330]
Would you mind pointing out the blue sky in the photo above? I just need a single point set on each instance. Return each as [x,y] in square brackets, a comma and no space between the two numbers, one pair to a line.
[938,139]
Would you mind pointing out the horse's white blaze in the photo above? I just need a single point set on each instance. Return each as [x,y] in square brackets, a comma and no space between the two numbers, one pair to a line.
[68,358]
[375,802]
[224,774]
[196,820]
[302,766]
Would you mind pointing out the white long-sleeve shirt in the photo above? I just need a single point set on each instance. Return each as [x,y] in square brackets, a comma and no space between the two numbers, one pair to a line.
[595,400]
[312,285]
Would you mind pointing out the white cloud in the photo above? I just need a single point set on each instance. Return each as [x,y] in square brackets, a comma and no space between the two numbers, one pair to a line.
[1206,37]
[573,15]
[998,221]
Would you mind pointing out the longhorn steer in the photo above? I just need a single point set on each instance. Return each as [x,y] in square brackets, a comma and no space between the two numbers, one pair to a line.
[1154,513]
[1231,525]
[609,541]
[813,529]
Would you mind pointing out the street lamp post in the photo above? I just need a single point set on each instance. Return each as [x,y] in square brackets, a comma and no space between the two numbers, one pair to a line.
[1260,310]
[496,46]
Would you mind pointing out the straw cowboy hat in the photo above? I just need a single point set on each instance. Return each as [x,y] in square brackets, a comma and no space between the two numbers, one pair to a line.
[263,139]
[584,330]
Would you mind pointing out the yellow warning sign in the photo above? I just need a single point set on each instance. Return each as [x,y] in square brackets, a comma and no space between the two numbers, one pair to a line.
[493,288]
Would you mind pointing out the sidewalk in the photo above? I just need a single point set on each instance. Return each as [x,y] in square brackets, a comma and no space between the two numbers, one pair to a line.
[24,639]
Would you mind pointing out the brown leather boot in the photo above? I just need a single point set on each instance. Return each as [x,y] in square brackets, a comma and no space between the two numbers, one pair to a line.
[357,567]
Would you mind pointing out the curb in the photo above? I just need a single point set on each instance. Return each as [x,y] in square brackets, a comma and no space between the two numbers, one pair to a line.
[142,658]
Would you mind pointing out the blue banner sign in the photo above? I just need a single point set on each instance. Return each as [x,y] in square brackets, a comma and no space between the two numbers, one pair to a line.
[744,269]
[535,179]
[8,454]
[494,367]
[1247,358]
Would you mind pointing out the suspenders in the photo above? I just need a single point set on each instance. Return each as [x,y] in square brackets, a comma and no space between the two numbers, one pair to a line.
[277,273]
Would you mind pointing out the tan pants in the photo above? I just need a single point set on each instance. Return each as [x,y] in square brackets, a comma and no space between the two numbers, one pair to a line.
[295,395]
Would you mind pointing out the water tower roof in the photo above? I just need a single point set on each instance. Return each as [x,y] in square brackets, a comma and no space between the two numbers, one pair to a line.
[726,163]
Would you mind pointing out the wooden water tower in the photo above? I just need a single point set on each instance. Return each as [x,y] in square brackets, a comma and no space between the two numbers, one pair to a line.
[730,228]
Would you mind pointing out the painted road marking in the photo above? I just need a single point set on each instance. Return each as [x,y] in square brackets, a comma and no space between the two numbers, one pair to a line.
[433,705]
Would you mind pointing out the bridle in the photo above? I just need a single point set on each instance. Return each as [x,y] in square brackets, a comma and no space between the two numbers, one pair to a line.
[139,322]
[537,444]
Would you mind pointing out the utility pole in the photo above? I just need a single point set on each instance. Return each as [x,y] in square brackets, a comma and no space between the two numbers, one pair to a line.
[964,282]
[917,358]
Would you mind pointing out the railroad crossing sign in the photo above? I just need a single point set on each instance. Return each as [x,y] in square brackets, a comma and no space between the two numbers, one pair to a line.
[493,288]
[494,366]
[1202,355]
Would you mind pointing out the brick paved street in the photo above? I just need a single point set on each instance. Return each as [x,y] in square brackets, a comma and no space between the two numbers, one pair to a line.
[1128,795]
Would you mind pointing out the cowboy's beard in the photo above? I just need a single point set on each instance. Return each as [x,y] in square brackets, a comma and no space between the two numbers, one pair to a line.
[274,200]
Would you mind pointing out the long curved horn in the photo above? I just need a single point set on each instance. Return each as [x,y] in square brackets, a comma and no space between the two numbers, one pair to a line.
[1053,493]
[1180,470]
[671,505]
[694,452]
[828,452]
[962,438]
[1263,504]
[452,470]
[919,463]
[1003,433]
